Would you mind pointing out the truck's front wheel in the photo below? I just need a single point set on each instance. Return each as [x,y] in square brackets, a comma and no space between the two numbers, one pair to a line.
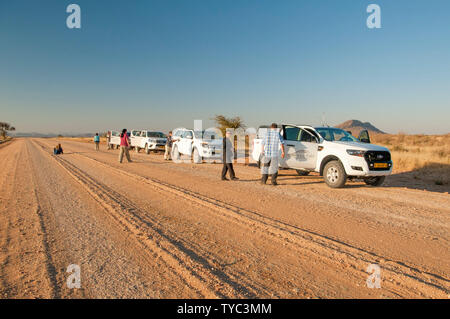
[375,181]
[334,174]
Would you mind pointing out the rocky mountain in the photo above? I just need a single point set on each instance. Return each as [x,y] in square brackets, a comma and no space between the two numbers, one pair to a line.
[356,126]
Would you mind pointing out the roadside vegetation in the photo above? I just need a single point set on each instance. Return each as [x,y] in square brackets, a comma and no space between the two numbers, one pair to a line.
[4,128]
[426,157]
[228,122]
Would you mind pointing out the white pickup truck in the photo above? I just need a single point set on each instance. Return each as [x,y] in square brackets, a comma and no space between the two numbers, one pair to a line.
[195,145]
[332,152]
[115,139]
[148,140]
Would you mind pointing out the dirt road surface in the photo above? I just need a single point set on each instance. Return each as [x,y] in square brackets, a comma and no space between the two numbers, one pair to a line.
[155,229]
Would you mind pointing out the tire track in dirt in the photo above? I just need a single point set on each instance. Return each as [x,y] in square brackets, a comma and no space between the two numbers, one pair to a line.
[44,212]
[185,263]
[30,237]
[251,287]
[325,247]
[10,171]
[428,215]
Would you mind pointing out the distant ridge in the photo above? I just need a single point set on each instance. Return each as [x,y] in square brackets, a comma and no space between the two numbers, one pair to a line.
[35,134]
[356,126]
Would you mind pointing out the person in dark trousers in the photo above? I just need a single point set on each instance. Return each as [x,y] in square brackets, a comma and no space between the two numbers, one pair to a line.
[228,157]
[97,141]
[108,140]
[271,145]
[124,146]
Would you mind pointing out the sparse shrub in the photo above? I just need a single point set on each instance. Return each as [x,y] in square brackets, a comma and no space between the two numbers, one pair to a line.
[399,148]
[443,153]
[400,137]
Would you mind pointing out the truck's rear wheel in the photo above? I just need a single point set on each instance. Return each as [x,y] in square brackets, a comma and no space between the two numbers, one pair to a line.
[375,181]
[197,159]
[334,174]
[301,172]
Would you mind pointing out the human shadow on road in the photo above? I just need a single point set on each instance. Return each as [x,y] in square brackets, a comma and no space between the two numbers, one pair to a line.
[432,177]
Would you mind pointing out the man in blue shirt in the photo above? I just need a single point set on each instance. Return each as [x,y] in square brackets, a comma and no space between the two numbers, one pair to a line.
[271,144]
[97,141]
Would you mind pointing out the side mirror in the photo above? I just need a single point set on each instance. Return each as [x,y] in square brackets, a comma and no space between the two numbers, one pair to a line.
[364,137]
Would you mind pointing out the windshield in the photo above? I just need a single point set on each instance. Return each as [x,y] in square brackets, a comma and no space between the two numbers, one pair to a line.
[199,134]
[155,134]
[336,134]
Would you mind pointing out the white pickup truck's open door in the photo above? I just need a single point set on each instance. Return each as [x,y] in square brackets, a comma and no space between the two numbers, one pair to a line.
[300,148]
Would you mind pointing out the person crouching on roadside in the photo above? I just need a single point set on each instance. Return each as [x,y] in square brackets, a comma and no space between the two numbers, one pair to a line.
[97,141]
[124,146]
[58,150]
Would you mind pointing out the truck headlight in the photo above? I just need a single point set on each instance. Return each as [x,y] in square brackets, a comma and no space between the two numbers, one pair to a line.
[358,153]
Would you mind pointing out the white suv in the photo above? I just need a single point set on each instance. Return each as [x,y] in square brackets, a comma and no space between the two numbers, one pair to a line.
[196,145]
[332,152]
[148,140]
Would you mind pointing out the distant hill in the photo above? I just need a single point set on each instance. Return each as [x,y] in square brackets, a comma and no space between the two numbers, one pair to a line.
[35,134]
[356,126]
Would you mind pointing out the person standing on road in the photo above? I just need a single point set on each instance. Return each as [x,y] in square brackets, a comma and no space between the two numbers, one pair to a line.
[124,146]
[108,140]
[271,144]
[97,141]
[168,148]
[228,157]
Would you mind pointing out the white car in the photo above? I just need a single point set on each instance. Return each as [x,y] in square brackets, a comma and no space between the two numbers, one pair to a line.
[332,152]
[195,145]
[115,139]
[148,140]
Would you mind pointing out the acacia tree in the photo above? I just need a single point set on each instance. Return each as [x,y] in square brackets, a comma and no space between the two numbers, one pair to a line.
[235,123]
[5,127]
[225,122]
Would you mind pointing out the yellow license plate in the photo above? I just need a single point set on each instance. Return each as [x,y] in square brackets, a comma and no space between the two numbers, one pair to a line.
[380,165]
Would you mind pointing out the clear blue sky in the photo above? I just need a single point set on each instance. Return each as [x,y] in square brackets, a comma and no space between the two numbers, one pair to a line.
[162,64]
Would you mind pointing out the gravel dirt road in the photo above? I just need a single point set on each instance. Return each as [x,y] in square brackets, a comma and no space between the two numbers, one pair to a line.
[155,229]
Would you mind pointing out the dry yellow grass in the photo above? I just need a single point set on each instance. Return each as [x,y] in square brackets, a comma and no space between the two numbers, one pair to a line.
[426,156]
